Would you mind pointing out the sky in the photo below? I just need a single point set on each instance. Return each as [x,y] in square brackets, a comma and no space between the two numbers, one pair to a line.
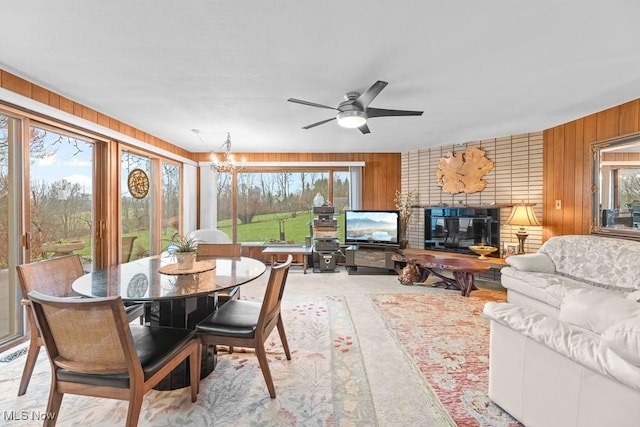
[67,161]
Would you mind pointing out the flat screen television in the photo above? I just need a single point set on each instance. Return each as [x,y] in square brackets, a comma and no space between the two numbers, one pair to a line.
[371,227]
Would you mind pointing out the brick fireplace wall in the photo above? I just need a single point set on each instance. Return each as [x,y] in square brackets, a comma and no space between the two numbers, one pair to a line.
[516,176]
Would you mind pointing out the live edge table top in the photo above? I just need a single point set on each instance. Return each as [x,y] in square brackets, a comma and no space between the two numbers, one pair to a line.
[463,267]
[492,262]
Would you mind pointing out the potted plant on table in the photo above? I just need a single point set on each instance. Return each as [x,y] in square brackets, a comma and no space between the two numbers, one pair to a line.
[185,251]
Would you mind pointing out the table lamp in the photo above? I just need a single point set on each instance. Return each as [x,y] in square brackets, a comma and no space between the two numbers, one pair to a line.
[522,215]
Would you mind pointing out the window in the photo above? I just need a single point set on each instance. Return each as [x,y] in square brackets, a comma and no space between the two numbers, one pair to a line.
[61,214]
[10,321]
[56,190]
[151,217]
[275,206]
[170,202]
[136,208]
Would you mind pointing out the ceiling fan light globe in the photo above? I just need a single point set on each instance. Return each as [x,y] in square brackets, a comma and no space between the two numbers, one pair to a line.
[351,119]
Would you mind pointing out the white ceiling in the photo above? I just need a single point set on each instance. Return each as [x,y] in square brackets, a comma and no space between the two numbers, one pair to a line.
[478,69]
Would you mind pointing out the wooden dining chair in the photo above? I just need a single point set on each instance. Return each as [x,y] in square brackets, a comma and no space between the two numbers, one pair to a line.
[54,277]
[127,248]
[209,235]
[248,324]
[226,250]
[94,351]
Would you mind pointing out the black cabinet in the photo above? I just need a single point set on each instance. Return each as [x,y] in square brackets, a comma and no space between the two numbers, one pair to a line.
[455,229]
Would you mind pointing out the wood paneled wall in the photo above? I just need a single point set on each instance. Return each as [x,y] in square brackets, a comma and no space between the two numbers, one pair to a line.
[568,161]
[380,175]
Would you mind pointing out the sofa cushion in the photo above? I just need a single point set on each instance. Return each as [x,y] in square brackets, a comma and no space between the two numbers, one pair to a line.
[537,262]
[601,261]
[581,346]
[623,338]
[596,310]
[548,288]
[537,280]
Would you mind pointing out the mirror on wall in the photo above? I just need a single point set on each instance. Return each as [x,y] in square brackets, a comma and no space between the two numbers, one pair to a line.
[616,187]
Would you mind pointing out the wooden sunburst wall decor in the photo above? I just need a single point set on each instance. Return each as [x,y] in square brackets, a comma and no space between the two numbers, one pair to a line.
[463,172]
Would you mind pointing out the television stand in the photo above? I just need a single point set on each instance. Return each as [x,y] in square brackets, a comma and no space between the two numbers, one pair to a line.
[370,259]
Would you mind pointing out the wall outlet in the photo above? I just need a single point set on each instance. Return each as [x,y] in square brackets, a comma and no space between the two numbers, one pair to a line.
[558,204]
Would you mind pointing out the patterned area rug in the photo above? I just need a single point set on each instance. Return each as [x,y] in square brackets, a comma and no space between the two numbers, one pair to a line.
[447,338]
[323,384]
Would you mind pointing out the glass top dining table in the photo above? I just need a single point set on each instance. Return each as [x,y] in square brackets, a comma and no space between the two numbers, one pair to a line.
[180,299]
[141,280]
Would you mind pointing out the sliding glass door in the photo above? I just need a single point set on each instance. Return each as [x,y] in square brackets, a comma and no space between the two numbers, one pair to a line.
[61,214]
[56,198]
[10,318]
[137,206]
[150,204]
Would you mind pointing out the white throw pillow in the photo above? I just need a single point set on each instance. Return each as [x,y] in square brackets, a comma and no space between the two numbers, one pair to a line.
[596,310]
[623,338]
[538,262]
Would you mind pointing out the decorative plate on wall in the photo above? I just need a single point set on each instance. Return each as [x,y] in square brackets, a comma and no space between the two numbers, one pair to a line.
[138,183]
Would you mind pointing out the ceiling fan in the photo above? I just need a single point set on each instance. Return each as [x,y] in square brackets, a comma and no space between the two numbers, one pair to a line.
[354,111]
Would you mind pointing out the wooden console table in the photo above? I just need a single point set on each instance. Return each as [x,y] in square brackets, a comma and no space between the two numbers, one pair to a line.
[305,251]
[426,263]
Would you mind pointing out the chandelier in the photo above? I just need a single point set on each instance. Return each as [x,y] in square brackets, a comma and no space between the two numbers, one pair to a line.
[228,164]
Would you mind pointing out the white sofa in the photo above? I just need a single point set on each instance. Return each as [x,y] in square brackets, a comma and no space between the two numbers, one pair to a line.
[552,372]
[570,264]
[565,348]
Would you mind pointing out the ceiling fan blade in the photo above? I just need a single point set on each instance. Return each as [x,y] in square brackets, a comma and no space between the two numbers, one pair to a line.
[365,99]
[382,112]
[318,123]
[364,129]
[311,104]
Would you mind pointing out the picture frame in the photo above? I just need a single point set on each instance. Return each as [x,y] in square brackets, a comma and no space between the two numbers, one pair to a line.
[509,249]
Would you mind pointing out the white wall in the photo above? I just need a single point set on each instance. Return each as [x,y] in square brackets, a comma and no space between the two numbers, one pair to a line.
[208,197]
[189,197]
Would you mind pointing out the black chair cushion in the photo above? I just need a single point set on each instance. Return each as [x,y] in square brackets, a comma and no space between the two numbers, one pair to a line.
[154,345]
[236,318]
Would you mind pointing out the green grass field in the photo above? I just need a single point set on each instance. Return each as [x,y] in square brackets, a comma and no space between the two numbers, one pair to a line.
[264,228]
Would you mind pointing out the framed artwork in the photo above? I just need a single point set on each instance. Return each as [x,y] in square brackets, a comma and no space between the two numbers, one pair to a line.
[509,249]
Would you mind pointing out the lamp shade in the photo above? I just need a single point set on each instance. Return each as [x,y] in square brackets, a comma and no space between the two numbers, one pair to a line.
[522,215]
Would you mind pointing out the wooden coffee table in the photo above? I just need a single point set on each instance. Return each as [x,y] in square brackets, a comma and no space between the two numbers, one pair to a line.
[463,270]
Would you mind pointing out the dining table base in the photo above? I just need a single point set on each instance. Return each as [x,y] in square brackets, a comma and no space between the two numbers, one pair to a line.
[183,313]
